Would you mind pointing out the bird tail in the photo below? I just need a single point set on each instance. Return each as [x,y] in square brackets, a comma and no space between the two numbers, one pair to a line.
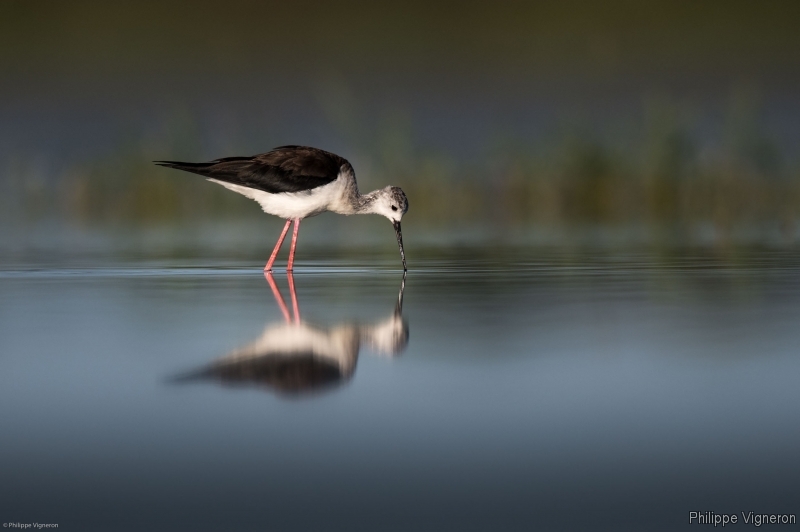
[190,376]
[195,168]
[178,164]
[187,167]
[225,169]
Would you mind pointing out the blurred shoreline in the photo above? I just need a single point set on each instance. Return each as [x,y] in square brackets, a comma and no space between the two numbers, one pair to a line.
[660,175]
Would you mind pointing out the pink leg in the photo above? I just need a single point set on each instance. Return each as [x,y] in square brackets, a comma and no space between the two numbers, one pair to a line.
[293,293]
[290,266]
[278,296]
[268,267]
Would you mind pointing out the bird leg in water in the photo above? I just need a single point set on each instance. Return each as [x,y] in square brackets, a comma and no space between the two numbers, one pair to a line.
[290,266]
[278,296]
[293,293]
[398,309]
[268,267]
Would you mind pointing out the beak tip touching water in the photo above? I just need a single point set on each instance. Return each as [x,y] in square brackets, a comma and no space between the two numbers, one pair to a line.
[399,234]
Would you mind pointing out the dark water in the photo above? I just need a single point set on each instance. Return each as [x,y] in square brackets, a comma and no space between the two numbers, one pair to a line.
[525,392]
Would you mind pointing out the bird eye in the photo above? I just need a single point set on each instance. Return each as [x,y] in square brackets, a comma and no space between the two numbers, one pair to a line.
[394,207]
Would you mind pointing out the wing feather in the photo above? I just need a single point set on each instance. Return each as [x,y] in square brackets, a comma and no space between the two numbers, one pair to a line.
[284,169]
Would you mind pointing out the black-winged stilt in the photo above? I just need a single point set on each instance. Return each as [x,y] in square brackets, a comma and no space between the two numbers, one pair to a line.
[295,182]
[294,356]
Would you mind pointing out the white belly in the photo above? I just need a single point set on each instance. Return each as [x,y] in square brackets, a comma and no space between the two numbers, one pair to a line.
[290,205]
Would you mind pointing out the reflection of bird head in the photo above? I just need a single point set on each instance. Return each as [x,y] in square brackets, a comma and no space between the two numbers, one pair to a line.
[388,337]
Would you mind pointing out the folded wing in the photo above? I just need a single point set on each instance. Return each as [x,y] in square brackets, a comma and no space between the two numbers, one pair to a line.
[284,169]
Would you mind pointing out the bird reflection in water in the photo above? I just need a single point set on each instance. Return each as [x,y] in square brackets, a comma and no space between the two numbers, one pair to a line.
[294,357]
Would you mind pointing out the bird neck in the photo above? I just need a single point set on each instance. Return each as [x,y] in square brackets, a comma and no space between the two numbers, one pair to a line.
[365,203]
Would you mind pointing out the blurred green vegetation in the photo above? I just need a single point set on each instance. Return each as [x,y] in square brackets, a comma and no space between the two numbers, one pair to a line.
[658,171]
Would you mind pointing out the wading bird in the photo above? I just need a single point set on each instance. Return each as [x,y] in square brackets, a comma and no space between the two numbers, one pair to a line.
[295,182]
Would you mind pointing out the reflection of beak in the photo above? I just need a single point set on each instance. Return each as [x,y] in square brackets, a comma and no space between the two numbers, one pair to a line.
[400,243]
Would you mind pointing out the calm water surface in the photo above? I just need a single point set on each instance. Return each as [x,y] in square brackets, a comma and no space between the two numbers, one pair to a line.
[515,393]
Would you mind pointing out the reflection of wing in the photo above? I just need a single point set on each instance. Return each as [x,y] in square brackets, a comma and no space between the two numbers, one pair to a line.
[290,358]
[290,373]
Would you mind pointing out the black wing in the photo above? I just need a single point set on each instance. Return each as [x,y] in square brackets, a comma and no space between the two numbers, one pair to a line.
[284,169]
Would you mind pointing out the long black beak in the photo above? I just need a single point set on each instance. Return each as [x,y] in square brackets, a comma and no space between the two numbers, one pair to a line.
[400,243]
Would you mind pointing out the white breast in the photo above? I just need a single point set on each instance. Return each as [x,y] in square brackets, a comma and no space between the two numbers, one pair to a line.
[290,205]
[338,345]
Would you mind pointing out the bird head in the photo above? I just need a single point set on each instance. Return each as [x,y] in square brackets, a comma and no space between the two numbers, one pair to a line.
[392,203]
